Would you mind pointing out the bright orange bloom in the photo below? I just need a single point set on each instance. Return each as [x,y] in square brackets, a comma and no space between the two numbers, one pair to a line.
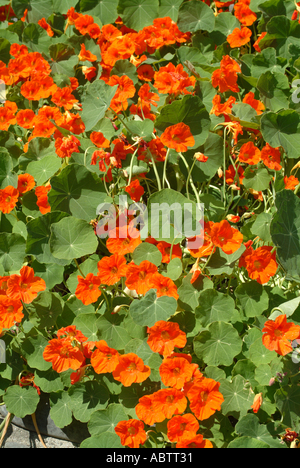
[125,90]
[255,103]
[271,157]
[99,140]
[26,286]
[139,277]
[71,333]
[3,285]
[164,286]
[86,55]
[26,118]
[7,117]
[25,183]
[63,97]
[144,411]
[131,433]
[145,72]
[120,241]
[205,398]
[131,369]
[175,372]
[82,22]
[89,72]
[87,290]
[94,30]
[104,359]
[165,336]
[205,248]
[43,23]
[173,80]
[261,264]
[257,402]
[11,312]
[195,442]
[63,355]
[290,183]
[182,427]
[178,137]
[244,14]
[169,401]
[8,199]
[219,109]
[249,153]
[135,190]
[42,198]
[146,96]
[226,237]
[239,37]
[112,269]
[226,76]
[165,250]
[277,335]
[66,146]
[233,176]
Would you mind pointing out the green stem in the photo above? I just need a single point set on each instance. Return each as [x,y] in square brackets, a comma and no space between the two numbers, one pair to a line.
[155,171]
[131,166]
[165,171]
[77,264]
[190,180]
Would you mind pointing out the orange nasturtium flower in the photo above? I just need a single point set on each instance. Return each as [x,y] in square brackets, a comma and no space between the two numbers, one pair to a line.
[257,402]
[123,240]
[164,286]
[8,199]
[25,183]
[226,237]
[112,269]
[11,312]
[144,411]
[135,190]
[250,154]
[169,401]
[271,157]
[278,334]
[104,359]
[182,427]
[195,442]
[239,37]
[165,336]
[131,369]
[66,146]
[205,398]
[63,355]
[88,290]
[41,193]
[26,286]
[131,433]
[178,137]
[226,76]
[254,103]
[139,277]
[261,264]
[175,372]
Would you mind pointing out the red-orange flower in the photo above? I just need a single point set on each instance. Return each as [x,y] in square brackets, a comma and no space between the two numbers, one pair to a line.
[173,80]
[86,54]
[135,190]
[244,14]
[26,286]
[123,240]
[164,286]
[11,312]
[205,398]
[175,372]
[165,250]
[26,118]
[99,140]
[88,290]
[63,97]
[131,433]
[43,23]
[271,157]
[226,237]
[249,153]
[63,355]
[165,336]
[261,264]
[257,403]
[195,442]
[25,183]
[290,183]
[178,137]
[145,72]
[104,359]
[131,369]
[239,37]
[278,334]
[112,269]
[254,103]
[139,277]
[169,401]
[41,193]
[8,199]
[66,146]
[145,411]
[182,427]
[226,76]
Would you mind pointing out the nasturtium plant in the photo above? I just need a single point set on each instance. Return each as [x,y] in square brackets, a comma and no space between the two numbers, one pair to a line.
[149,217]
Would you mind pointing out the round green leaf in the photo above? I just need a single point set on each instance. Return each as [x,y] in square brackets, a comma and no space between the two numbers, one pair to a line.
[253,298]
[150,309]
[247,443]
[96,102]
[261,226]
[282,129]
[60,412]
[149,252]
[237,398]
[106,420]
[48,381]
[218,345]
[32,349]
[137,14]
[288,402]
[12,251]
[249,426]
[21,401]
[72,238]
[174,269]
[256,179]
[45,309]
[105,440]
[86,398]
[259,354]
[214,306]
[194,16]
[44,169]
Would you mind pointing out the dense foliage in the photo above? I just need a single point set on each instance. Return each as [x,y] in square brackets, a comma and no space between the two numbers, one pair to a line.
[153,338]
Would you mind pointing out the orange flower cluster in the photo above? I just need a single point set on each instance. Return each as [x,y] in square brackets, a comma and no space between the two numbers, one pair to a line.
[260,264]
[14,290]
[226,76]
[173,80]
[278,334]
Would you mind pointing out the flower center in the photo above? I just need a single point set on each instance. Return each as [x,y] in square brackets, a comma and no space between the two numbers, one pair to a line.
[204,396]
[165,335]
